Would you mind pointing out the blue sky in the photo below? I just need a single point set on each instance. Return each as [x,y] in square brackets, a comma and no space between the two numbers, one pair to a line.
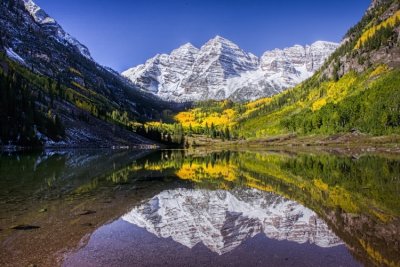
[125,33]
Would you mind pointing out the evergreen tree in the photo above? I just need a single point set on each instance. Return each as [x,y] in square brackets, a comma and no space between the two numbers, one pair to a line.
[213,132]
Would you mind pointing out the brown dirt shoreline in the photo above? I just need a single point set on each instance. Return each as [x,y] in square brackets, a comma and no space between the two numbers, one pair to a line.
[346,143]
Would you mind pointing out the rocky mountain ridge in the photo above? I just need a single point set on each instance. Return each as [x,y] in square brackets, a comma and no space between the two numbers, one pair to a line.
[32,37]
[42,18]
[66,82]
[373,41]
[220,69]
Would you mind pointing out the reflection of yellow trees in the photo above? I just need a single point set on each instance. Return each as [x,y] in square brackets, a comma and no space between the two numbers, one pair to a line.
[376,256]
[120,176]
[123,175]
[300,177]
[322,183]
[86,188]
[257,184]
[327,184]
[200,171]
[333,182]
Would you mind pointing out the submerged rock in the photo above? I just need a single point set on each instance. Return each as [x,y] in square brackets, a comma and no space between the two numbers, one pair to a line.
[85,212]
[23,227]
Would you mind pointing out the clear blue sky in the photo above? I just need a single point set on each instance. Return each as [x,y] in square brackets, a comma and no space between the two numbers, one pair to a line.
[124,33]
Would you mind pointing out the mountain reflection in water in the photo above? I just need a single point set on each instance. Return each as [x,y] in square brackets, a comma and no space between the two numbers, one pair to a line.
[248,207]
[222,220]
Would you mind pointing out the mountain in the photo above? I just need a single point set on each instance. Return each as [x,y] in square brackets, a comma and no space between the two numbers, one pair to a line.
[70,99]
[355,91]
[221,70]
[222,220]
[373,41]
[42,18]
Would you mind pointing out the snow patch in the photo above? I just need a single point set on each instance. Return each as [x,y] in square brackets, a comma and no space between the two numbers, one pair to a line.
[14,56]
[42,18]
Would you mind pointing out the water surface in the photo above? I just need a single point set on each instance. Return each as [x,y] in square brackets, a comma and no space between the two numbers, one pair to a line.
[181,208]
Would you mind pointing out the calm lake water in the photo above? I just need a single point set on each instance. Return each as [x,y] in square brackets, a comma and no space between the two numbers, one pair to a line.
[182,208]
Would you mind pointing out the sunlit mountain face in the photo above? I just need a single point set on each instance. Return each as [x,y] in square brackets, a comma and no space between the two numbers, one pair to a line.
[220,69]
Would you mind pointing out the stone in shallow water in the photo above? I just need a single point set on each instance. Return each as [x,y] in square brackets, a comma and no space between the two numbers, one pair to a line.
[85,212]
[25,227]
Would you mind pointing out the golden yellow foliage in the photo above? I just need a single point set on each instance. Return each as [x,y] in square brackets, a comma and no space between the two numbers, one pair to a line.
[255,105]
[379,70]
[229,113]
[75,71]
[155,124]
[88,91]
[79,86]
[334,92]
[340,197]
[198,118]
[372,30]
[376,255]
[259,102]
[197,172]
[317,105]
[321,185]
[216,119]
[188,118]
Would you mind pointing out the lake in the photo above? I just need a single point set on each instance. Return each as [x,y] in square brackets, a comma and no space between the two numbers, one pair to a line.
[199,208]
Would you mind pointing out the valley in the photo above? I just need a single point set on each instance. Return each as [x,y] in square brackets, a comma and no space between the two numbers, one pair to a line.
[218,91]
[205,154]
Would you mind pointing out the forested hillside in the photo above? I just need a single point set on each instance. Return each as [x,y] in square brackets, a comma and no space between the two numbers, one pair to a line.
[357,89]
[36,110]
[24,109]
[53,93]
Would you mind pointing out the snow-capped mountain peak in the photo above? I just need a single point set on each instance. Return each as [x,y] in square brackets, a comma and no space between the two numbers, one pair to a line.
[220,69]
[38,14]
[42,18]
[185,50]
[220,42]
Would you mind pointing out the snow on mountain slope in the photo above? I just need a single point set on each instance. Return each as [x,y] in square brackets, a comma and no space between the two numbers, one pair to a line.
[222,220]
[221,70]
[31,37]
[11,54]
[41,17]
[167,69]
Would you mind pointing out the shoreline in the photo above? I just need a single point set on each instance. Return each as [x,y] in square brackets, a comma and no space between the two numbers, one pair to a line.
[345,143]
